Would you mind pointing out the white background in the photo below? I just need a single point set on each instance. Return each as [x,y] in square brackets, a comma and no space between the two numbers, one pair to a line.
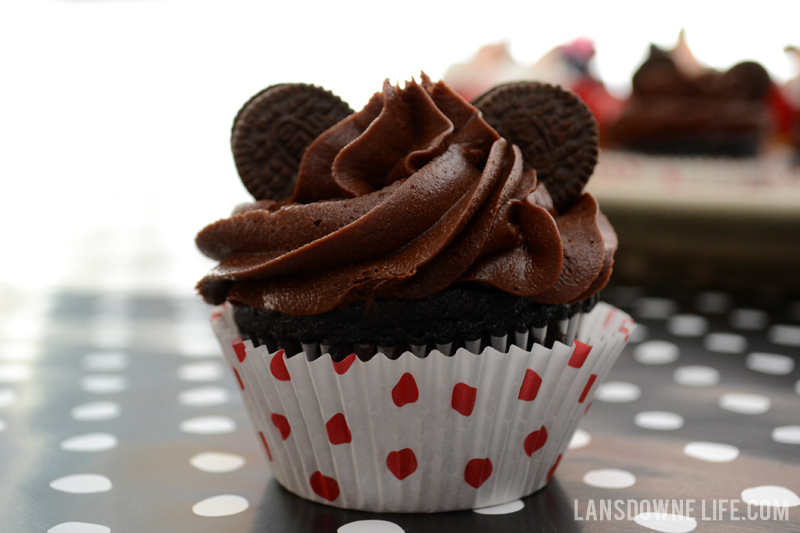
[117,113]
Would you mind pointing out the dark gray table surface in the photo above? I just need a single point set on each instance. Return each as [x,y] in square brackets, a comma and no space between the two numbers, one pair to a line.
[129,393]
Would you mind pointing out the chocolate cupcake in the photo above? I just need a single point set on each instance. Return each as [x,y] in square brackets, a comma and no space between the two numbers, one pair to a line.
[679,107]
[429,285]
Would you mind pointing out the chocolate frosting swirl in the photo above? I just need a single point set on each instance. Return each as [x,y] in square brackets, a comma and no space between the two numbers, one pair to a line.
[412,194]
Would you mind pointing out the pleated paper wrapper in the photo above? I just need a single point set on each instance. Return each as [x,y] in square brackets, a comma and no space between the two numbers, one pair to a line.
[422,434]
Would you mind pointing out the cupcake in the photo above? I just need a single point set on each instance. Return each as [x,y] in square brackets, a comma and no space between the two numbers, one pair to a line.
[680,107]
[410,303]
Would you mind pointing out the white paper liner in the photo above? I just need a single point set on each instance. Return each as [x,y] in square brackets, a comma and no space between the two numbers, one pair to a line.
[418,434]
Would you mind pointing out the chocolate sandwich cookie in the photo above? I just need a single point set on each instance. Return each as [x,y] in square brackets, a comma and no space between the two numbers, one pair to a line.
[555,130]
[272,131]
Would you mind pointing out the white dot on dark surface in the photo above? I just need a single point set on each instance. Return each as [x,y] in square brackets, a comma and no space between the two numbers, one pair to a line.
[79,527]
[713,302]
[14,372]
[749,319]
[90,442]
[770,363]
[713,452]
[786,434]
[640,334]
[370,526]
[659,420]
[105,361]
[656,353]
[609,478]
[82,484]
[94,411]
[7,397]
[687,326]
[666,523]
[654,308]
[579,439]
[203,396]
[696,376]
[104,383]
[746,404]
[725,343]
[770,495]
[217,462]
[208,425]
[503,508]
[785,335]
[222,505]
[618,392]
[200,372]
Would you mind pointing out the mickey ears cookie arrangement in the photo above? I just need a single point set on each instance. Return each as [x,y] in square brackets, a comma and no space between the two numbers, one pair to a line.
[553,128]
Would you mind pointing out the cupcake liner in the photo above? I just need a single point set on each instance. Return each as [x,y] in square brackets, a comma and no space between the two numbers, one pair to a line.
[423,433]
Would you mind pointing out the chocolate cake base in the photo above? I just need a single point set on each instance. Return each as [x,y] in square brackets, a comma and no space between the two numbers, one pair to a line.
[724,145]
[457,315]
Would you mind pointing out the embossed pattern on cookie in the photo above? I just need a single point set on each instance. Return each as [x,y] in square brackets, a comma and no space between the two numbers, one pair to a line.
[555,130]
[272,131]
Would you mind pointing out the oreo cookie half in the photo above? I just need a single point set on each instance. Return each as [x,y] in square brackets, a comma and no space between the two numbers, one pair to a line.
[553,128]
[272,131]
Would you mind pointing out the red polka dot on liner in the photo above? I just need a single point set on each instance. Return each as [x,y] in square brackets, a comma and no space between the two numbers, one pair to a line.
[266,446]
[535,441]
[325,487]
[402,463]
[552,471]
[338,430]
[625,328]
[464,398]
[579,354]
[341,367]
[238,378]
[610,318]
[405,391]
[587,388]
[278,366]
[238,348]
[477,472]
[530,386]
[282,423]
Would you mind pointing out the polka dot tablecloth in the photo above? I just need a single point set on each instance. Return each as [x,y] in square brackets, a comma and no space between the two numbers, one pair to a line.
[117,413]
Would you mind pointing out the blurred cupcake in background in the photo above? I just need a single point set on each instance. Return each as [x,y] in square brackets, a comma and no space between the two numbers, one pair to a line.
[569,65]
[678,106]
